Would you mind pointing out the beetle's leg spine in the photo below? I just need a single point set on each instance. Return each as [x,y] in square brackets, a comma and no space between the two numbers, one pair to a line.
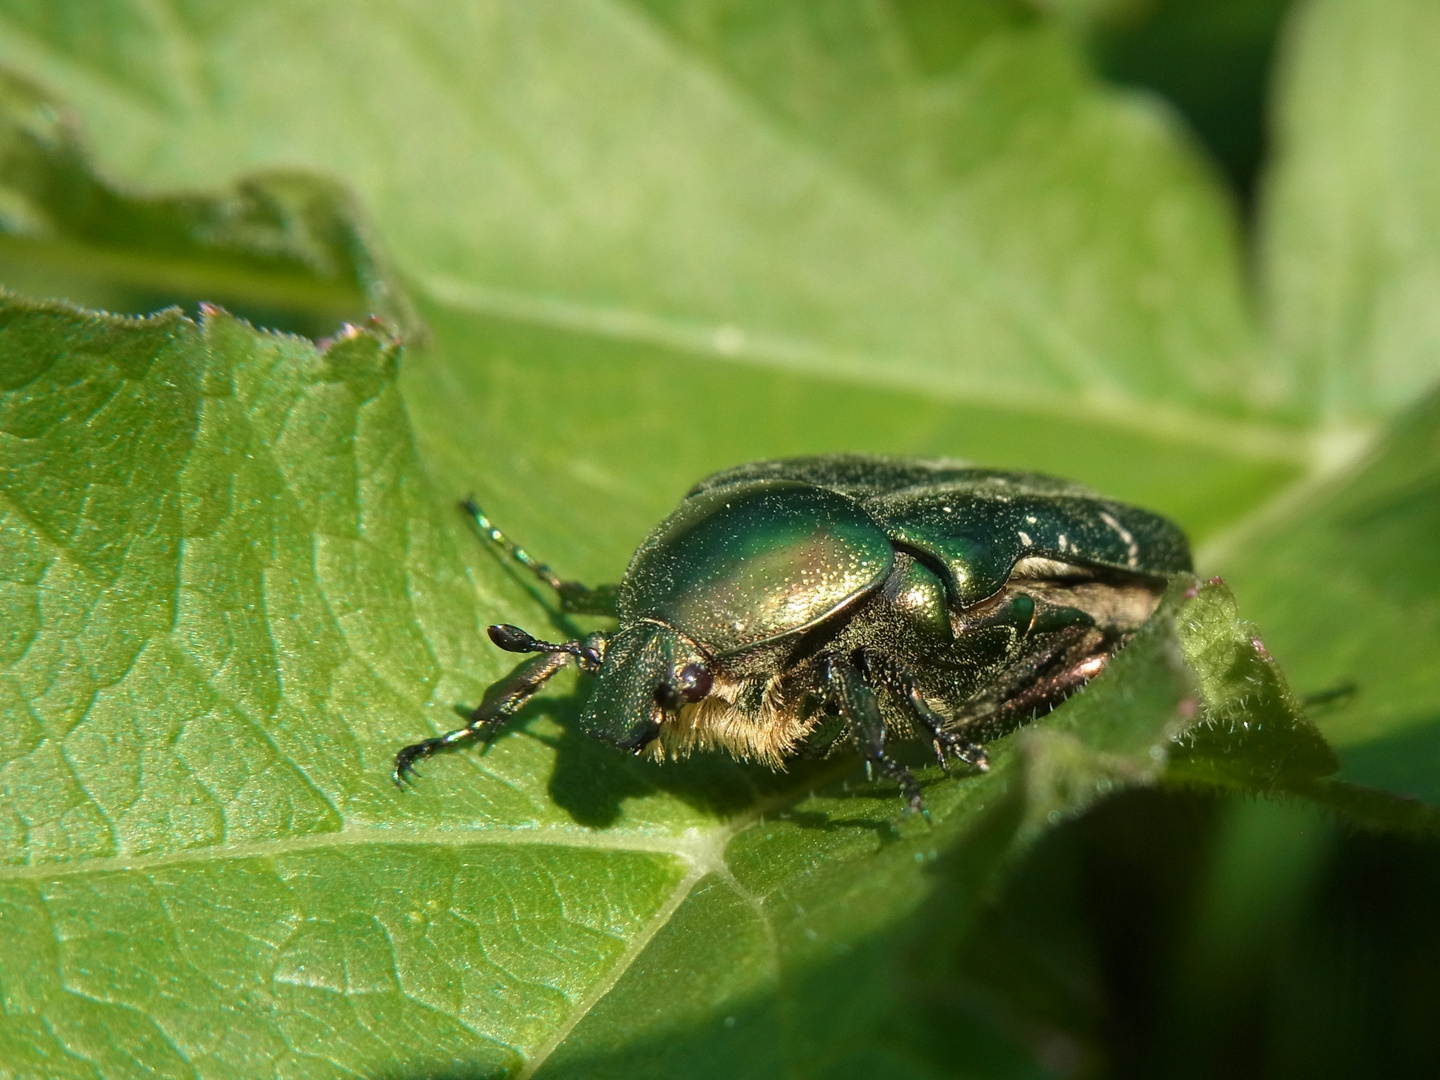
[905,688]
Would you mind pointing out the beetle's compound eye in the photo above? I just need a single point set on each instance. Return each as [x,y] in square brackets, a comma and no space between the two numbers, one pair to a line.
[694,682]
[667,696]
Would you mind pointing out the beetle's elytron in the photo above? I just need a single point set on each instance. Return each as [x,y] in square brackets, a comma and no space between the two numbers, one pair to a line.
[788,605]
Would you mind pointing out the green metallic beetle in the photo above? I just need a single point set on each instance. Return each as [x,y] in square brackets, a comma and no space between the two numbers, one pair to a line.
[786,606]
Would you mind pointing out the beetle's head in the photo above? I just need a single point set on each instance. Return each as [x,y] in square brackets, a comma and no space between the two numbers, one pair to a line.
[649,672]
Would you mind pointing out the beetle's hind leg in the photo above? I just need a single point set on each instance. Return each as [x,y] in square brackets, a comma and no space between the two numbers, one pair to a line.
[860,708]
[1052,676]
[504,698]
[905,688]
[575,598]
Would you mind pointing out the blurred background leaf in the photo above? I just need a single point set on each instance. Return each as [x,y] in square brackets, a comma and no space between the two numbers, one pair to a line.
[1210,59]
[604,159]
[291,247]
[627,243]
[1349,250]
[1350,599]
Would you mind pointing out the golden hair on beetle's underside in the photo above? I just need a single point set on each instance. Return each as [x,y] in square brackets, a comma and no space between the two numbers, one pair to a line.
[769,735]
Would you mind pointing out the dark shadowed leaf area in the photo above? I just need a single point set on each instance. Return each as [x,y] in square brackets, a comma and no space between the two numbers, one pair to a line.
[1211,59]
[286,249]
[607,253]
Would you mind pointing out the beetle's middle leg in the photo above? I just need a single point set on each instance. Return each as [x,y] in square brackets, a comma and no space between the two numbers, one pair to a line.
[575,598]
[506,697]
[860,708]
[905,689]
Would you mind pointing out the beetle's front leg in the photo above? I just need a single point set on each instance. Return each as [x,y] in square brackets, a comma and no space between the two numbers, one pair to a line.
[860,708]
[501,701]
[905,688]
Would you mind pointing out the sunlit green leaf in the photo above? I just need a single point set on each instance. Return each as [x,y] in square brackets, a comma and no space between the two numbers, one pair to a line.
[648,240]
[285,245]
[1250,731]
[1350,244]
[219,641]
[860,188]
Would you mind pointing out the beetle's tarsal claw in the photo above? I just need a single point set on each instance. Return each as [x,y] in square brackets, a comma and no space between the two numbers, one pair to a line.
[910,789]
[976,761]
[408,757]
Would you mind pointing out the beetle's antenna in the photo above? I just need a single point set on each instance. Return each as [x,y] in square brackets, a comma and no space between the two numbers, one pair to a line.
[513,639]
[589,651]
[514,550]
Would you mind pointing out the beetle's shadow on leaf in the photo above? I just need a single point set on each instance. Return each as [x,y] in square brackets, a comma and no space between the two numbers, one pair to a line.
[1401,762]
[591,780]
[886,829]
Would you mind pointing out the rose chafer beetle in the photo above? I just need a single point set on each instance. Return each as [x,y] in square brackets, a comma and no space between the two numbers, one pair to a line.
[787,606]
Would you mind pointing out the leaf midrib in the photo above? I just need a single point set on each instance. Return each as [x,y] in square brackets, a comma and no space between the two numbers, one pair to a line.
[1252,440]
[701,851]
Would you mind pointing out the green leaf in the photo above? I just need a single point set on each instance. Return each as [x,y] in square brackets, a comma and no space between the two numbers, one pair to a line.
[1349,597]
[649,240]
[214,645]
[614,178]
[1350,247]
[220,640]
[796,262]
[1253,736]
[1252,733]
[1211,59]
[1338,573]
[906,307]
[279,243]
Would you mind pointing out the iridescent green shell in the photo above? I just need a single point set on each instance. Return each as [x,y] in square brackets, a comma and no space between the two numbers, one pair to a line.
[738,566]
[979,527]
[773,548]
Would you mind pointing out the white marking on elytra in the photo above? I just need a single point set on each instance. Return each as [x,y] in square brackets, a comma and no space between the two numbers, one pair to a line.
[1025,539]
[1132,549]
